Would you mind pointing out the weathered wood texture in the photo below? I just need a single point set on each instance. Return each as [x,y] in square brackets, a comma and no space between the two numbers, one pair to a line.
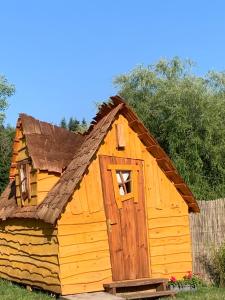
[208,233]
[29,253]
[41,182]
[84,255]
[17,144]
[20,153]
[49,145]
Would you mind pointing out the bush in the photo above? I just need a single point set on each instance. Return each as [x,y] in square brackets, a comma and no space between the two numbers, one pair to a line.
[218,260]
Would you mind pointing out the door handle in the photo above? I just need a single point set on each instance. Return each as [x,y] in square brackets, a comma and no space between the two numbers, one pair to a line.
[109,224]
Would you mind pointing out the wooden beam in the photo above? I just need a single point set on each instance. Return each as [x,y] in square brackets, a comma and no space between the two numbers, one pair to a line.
[121,141]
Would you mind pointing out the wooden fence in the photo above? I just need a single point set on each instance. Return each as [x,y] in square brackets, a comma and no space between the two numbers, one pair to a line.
[207,232]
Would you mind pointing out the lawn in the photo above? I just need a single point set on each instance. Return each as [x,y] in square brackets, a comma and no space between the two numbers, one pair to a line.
[206,293]
[11,291]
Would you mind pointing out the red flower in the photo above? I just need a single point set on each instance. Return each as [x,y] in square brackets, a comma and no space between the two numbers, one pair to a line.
[189,275]
[173,279]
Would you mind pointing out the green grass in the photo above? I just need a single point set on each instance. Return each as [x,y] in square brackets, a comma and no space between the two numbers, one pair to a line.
[204,293]
[11,291]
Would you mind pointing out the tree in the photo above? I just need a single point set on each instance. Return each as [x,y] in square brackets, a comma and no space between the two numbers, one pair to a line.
[6,133]
[6,138]
[185,113]
[84,124]
[74,125]
[6,90]
[63,123]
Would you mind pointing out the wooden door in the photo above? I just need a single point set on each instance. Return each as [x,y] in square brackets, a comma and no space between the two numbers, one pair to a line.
[123,191]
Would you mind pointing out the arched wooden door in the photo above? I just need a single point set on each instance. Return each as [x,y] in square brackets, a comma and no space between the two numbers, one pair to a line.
[123,191]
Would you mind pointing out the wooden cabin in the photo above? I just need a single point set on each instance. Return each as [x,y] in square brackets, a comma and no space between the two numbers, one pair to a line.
[86,210]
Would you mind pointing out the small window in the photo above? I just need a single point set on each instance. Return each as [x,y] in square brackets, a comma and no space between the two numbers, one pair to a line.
[24,179]
[124,182]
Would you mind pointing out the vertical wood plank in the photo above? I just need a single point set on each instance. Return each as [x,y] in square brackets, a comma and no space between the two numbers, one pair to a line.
[128,234]
[121,141]
[113,221]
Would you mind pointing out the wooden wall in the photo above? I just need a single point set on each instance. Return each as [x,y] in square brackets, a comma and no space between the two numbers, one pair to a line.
[41,181]
[20,153]
[29,248]
[83,243]
[45,181]
[29,253]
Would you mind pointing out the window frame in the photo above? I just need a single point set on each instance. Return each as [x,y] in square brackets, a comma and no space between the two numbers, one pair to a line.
[133,169]
[25,181]
[123,182]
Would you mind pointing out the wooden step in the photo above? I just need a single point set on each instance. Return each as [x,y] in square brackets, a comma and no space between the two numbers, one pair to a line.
[136,282]
[147,294]
[136,285]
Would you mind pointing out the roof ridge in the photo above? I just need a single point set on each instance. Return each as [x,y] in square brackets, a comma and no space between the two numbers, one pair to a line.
[103,109]
[26,116]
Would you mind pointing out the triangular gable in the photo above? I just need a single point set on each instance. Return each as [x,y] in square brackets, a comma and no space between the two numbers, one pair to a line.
[60,194]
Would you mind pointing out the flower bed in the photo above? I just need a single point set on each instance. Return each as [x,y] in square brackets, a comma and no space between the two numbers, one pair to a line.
[190,282]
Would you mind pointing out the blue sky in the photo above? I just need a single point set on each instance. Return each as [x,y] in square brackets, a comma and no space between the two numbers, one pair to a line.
[63,55]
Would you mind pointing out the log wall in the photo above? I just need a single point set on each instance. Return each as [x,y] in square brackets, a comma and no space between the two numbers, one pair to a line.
[29,253]
[83,242]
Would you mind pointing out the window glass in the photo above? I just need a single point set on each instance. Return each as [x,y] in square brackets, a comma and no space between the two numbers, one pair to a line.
[23,178]
[124,181]
[23,181]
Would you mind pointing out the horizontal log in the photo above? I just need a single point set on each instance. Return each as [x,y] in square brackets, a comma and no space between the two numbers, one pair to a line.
[83,248]
[81,228]
[81,238]
[72,269]
[95,255]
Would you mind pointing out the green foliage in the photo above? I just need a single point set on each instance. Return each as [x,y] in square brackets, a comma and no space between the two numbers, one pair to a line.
[6,138]
[185,113]
[63,123]
[218,264]
[6,90]
[192,280]
[6,133]
[74,125]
